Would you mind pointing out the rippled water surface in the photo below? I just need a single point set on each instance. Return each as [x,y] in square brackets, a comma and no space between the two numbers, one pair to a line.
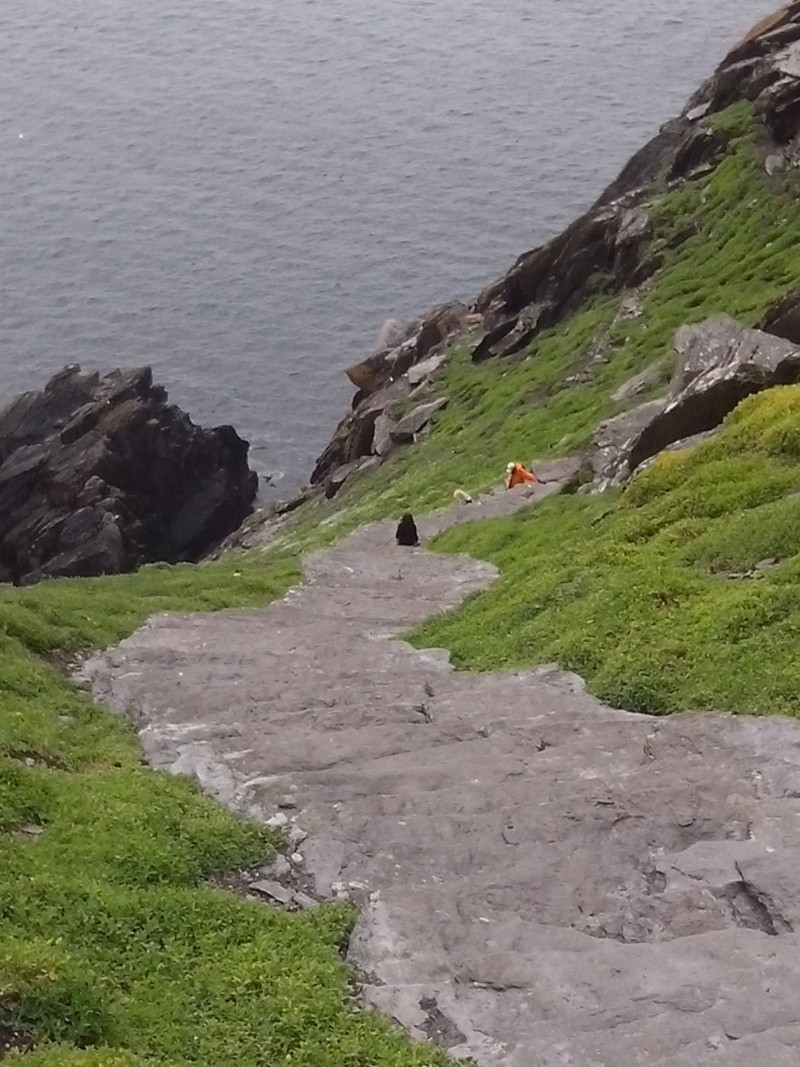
[239,192]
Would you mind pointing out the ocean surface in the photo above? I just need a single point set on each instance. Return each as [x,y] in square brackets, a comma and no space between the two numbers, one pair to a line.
[240,192]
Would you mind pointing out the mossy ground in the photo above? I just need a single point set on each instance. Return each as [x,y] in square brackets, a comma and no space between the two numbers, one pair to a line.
[109,936]
[646,596]
[110,939]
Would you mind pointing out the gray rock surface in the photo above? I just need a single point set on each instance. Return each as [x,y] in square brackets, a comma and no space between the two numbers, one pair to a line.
[615,438]
[719,363]
[404,431]
[543,880]
[638,384]
[383,378]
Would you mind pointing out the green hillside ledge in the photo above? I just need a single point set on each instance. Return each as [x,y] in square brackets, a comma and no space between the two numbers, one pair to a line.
[729,241]
[683,592]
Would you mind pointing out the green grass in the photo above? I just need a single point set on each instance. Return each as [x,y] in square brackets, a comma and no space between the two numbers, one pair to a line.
[114,950]
[639,594]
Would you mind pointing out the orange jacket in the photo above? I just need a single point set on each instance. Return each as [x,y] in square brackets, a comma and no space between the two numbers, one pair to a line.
[519,476]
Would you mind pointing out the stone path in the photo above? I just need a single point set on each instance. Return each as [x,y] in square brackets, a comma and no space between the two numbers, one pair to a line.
[544,880]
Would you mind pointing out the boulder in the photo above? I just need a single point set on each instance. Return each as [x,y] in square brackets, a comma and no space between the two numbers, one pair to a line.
[423,370]
[764,68]
[387,364]
[719,364]
[384,378]
[354,436]
[371,373]
[614,439]
[337,478]
[99,474]
[392,334]
[638,384]
[382,442]
[557,470]
[722,363]
[408,427]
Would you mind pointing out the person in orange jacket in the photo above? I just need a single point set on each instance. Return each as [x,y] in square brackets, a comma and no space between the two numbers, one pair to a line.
[518,475]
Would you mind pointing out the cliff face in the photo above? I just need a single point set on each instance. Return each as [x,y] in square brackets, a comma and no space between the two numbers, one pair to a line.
[620,246]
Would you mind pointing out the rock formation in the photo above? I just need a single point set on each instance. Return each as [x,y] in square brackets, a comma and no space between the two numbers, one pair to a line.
[101,474]
[384,379]
[607,249]
[719,363]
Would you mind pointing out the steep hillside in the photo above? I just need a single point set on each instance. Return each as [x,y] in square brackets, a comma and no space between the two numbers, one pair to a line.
[679,589]
[654,594]
[682,592]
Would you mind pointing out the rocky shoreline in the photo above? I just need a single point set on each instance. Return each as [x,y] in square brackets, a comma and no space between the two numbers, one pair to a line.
[612,249]
[99,474]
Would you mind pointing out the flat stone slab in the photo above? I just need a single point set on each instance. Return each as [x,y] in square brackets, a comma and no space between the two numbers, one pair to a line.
[274,891]
[543,880]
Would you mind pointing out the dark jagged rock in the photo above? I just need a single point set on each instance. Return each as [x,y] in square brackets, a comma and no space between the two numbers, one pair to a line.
[101,474]
[719,364]
[387,364]
[603,251]
[783,318]
[607,249]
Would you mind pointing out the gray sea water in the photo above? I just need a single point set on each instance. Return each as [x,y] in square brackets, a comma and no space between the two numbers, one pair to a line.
[239,192]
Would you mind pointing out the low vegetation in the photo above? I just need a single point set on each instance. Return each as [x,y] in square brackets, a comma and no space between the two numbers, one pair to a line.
[730,242]
[114,950]
[683,592]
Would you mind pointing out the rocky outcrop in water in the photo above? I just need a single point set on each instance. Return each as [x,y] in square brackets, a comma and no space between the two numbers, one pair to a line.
[101,474]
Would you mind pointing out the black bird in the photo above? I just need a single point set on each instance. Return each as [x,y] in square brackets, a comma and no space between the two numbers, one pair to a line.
[406,533]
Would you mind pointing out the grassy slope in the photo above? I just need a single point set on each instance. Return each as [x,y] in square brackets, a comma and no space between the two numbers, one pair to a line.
[108,936]
[638,602]
[744,253]
[637,596]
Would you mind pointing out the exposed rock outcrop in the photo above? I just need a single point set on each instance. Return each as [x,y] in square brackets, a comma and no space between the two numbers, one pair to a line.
[383,379]
[719,363]
[101,474]
[783,318]
[607,249]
